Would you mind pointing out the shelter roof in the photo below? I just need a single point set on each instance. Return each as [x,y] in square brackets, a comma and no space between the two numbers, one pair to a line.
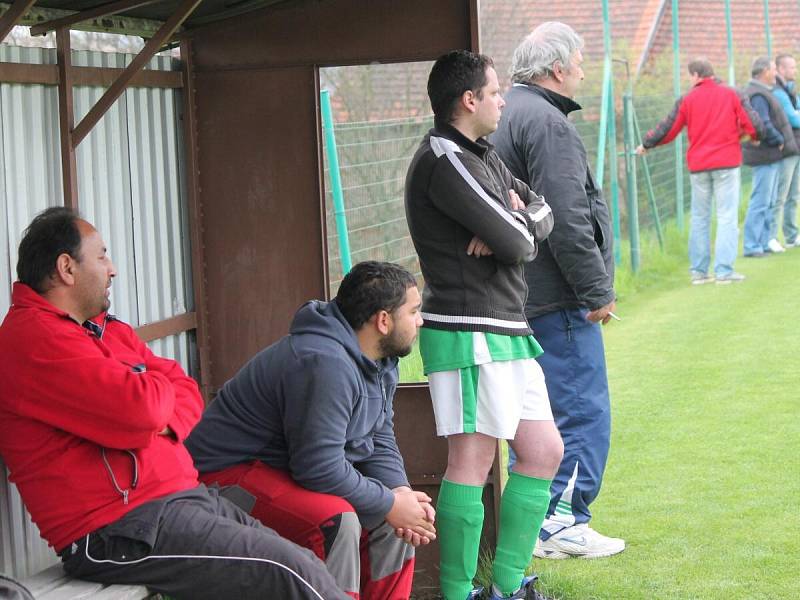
[139,20]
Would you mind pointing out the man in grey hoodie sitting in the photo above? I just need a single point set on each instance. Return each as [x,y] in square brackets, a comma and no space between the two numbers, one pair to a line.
[304,432]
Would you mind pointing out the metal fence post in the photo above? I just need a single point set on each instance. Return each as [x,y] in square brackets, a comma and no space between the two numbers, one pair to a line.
[630,178]
[676,80]
[609,127]
[648,180]
[336,181]
[767,32]
[602,133]
[612,152]
[729,28]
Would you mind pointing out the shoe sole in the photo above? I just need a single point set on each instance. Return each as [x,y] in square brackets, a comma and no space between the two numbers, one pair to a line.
[558,555]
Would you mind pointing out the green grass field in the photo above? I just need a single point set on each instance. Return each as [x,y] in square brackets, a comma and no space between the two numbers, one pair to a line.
[704,472]
[705,461]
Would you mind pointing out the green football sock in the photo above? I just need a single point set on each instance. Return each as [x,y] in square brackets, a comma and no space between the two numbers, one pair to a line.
[459,520]
[522,509]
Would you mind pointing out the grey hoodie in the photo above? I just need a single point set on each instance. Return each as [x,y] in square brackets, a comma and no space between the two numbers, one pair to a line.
[314,405]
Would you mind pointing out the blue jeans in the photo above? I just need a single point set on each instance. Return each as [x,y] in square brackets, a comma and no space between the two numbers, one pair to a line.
[574,366]
[721,185]
[788,190]
[757,221]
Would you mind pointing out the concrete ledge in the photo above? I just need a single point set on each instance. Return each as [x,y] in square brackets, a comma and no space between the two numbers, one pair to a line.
[54,584]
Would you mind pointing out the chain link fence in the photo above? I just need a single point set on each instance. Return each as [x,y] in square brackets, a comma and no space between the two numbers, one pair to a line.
[373,160]
[374,157]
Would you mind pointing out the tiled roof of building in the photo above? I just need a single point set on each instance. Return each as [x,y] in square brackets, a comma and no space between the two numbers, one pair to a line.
[641,31]
[703,32]
[504,23]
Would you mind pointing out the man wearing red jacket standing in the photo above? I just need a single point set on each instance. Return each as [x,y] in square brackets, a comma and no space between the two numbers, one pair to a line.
[92,426]
[716,120]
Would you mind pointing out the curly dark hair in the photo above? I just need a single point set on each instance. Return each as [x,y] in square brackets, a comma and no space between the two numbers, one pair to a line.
[372,286]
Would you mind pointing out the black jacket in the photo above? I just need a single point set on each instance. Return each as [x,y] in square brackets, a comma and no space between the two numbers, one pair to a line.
[575,266]
[457,189]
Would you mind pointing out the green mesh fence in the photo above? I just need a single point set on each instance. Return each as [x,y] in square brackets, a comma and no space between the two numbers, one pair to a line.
[661,162]
[374,157]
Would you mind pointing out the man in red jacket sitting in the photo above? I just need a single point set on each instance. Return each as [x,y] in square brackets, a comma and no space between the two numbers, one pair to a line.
[92,425]
[716,120]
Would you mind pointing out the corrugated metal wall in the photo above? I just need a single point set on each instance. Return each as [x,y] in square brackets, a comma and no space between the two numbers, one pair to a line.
[130,187]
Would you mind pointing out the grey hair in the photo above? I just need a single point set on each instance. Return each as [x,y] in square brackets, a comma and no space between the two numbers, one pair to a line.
[761,64]
[536,56]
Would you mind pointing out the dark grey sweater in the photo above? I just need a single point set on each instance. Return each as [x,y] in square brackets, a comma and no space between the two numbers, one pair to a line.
[457,189]
[779,131]
[311,404]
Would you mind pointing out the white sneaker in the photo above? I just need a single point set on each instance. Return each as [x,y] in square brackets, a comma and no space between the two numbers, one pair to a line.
[580,541]
[732,277]
[698,278]
[775,246]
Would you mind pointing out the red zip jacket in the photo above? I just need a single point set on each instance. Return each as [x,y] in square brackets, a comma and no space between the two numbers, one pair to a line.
[715,119]
[80,417]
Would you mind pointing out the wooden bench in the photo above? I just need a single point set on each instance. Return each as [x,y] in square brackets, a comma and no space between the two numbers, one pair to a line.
[54,584]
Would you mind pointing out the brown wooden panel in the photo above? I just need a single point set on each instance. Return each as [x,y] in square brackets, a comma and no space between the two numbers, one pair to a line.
[260,188]
[424,453]
[338,32]
[166,327]
[104,76]
[259,191]
[195,220]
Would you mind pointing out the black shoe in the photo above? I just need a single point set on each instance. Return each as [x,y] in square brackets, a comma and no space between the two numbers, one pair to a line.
[530,591]
[525,592]
[755,255]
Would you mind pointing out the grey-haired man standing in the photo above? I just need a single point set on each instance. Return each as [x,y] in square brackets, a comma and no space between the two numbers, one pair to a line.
[571,281]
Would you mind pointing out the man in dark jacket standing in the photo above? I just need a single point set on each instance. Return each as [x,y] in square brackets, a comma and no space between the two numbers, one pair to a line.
[474,226]
[716,120]
[765,159]
[305,429]
[571,281]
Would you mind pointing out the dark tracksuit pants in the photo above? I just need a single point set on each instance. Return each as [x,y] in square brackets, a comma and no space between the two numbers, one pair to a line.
[574,366]
[368,565]
[197,545]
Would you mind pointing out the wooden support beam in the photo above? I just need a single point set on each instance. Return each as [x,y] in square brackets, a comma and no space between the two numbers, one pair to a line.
[195,221]
[66,117]
[162,36]
[87,15]
[475,33]
[97,76]
[12,15]
[166,327]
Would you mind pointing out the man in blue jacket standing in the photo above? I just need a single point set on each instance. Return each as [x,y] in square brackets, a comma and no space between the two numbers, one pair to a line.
[765,158]
[305,432]
[789,177]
